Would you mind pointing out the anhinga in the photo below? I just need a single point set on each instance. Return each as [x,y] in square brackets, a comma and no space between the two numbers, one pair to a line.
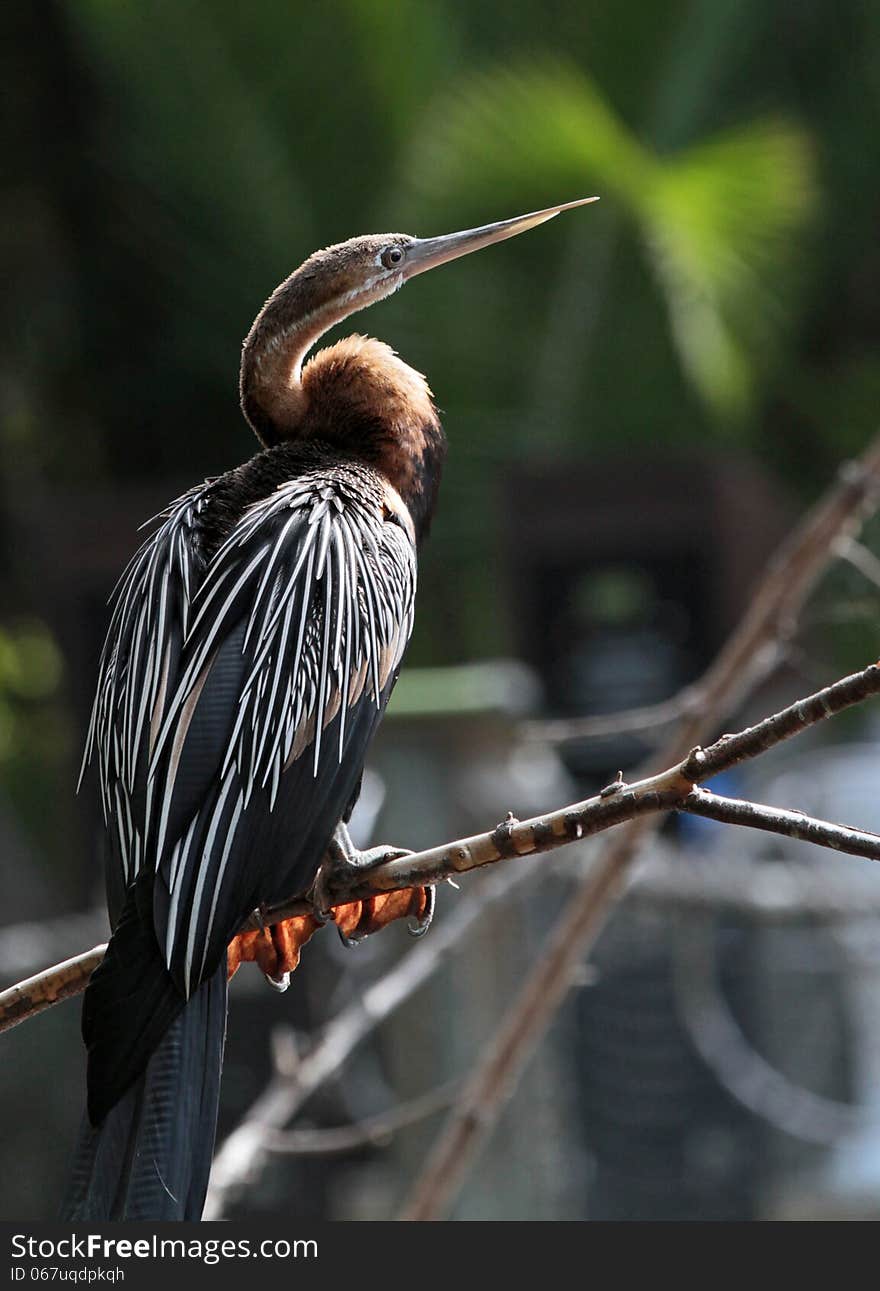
[254,641]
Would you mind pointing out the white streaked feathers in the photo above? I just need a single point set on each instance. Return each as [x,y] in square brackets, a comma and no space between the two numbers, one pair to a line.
[322,577]
[133,669]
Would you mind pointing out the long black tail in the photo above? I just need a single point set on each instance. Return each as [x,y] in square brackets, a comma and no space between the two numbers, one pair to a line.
[150,1156]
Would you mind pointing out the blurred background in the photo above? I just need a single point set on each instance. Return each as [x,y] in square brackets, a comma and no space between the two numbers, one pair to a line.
[640,398]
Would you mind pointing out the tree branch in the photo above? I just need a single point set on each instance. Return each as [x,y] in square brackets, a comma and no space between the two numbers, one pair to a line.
[628,721]
[861,559]
[617,803]
[775,820]
[44,989]
[375,1131]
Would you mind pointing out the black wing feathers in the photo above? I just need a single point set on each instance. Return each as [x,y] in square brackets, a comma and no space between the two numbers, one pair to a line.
[237,698]
[150,1157]
[141,653]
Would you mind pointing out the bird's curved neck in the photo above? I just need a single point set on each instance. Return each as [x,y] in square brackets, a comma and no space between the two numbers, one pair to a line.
[356,395]
[272,395]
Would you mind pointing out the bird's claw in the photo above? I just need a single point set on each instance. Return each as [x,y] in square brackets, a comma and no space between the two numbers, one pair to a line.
[418,927]
[259,915]
[277,983]
[281,983]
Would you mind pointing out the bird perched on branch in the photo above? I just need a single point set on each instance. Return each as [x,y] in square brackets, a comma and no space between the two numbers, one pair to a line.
[254,641]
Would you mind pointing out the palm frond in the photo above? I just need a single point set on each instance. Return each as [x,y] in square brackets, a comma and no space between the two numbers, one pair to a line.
[721,222]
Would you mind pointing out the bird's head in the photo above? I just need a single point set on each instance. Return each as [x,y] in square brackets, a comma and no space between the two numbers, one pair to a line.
[351,275]
[333,284]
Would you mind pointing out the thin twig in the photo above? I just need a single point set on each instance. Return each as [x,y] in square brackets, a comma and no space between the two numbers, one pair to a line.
[627,721]
[615,804]
[719,1040]
[861,559]
[746,659]
[372,1132]
[775,820]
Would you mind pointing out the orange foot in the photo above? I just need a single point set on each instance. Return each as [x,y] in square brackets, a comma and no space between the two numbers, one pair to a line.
[277,949]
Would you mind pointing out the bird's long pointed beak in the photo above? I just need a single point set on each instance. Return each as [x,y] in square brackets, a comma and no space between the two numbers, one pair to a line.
[427,253]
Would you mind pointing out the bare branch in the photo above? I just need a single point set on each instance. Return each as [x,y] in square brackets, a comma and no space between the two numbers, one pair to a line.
[629,721]
[857,555]
[615,804]
[375,1131]
[50,987]
[730,750]
[739,1068]
[775,820]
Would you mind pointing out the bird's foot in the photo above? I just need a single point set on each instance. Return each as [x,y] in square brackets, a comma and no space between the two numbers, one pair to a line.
[341,860]
[277,978]
[275,948]
[343,855]
[420,923]
[359,919]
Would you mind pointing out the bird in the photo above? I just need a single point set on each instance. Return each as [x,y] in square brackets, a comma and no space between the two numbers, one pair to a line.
[254,640]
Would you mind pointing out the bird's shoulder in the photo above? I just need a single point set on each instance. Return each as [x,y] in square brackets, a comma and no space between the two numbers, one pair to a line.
[293,476]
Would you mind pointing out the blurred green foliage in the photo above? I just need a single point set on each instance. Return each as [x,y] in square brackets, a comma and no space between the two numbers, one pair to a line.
[34,730]
[30,666]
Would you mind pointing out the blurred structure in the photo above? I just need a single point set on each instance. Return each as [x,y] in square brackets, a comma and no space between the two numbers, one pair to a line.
[629,572]
[624,605]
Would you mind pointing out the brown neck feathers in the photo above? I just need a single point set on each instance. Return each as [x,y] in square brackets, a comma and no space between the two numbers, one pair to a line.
[361,396]
[357,395]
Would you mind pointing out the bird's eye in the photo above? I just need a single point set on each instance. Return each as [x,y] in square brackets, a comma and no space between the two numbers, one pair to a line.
[393,256]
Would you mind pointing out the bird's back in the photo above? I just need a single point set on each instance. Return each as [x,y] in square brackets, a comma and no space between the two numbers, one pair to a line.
[255,640]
